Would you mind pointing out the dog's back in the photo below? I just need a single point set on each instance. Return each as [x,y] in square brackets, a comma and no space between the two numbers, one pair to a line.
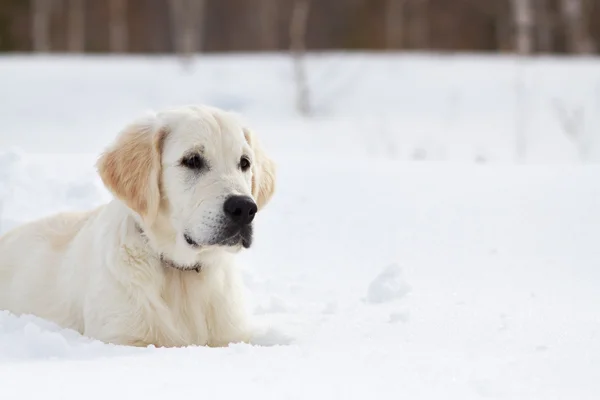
[32,279]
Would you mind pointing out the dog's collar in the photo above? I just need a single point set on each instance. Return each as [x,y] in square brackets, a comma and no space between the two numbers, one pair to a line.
[167,263]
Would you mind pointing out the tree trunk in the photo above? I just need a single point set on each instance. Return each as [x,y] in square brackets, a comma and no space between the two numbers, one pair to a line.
[544,25]
[419,24]
[269,22]
[194,25]
[523,17]
[40,25]
[175,23]
[394,24]
[579,40]
[298,25]
[187,22]
[76,25]
[117,29]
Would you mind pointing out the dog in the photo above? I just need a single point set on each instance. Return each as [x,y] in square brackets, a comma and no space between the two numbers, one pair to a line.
[156,264]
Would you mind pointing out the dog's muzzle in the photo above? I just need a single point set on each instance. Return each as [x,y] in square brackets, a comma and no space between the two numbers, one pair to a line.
[236,225]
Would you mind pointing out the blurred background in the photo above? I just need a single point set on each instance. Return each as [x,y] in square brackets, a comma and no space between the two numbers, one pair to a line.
[475,80]
[168,26]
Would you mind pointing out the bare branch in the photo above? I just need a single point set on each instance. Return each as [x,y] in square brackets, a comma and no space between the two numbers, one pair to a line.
[571,121]
[573,126]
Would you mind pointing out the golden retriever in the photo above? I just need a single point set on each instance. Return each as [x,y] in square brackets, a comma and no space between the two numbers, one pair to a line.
[154,266]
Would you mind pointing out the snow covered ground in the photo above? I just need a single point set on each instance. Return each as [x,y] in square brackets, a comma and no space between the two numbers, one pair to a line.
[405,107]
[375,275]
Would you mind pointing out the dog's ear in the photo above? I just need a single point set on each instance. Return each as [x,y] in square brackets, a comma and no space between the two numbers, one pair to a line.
[130,168]
[263,172]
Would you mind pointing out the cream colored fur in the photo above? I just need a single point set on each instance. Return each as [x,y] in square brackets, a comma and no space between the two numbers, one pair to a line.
[95,273]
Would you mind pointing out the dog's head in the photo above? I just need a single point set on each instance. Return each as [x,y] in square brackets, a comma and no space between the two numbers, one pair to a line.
[194,177]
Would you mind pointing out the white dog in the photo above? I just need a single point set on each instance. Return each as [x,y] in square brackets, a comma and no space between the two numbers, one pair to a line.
[155,266]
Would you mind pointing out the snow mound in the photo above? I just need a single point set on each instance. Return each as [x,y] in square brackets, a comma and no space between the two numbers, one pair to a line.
[8,162]
[34,185]
[388,286]
[31,338]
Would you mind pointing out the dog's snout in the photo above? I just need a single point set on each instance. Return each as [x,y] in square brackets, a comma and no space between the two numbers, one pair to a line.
[241,209]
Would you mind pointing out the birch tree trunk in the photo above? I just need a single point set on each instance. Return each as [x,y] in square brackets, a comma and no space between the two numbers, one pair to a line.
[117,30]
[579,40]
[194,40]
[523,18]
[187,20]
[40,25]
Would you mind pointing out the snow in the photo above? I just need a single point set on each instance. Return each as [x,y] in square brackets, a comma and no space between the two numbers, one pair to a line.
[387,286]
[389,106]
[464,276]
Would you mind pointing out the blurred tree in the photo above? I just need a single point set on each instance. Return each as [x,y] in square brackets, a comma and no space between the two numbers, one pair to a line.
[394,24]
[300,14]
[187,23]
[578,37]
[544,26]
[524,22]
[40,26]
[8,10]
[418,27]
[117,26]
[189,26]
[269,23]
[76,29]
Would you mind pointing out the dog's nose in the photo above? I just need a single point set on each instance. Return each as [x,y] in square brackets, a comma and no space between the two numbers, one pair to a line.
[241,209]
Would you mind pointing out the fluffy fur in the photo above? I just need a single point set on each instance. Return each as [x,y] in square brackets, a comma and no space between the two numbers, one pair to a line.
[125,273]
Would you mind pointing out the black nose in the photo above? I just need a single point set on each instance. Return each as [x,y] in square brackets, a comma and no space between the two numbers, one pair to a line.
[241,209]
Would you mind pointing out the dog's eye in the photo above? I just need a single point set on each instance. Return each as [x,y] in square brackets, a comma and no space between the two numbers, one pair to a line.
[244,163]
[194,161]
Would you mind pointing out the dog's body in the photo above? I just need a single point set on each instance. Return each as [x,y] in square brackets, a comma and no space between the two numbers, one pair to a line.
[155,266]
